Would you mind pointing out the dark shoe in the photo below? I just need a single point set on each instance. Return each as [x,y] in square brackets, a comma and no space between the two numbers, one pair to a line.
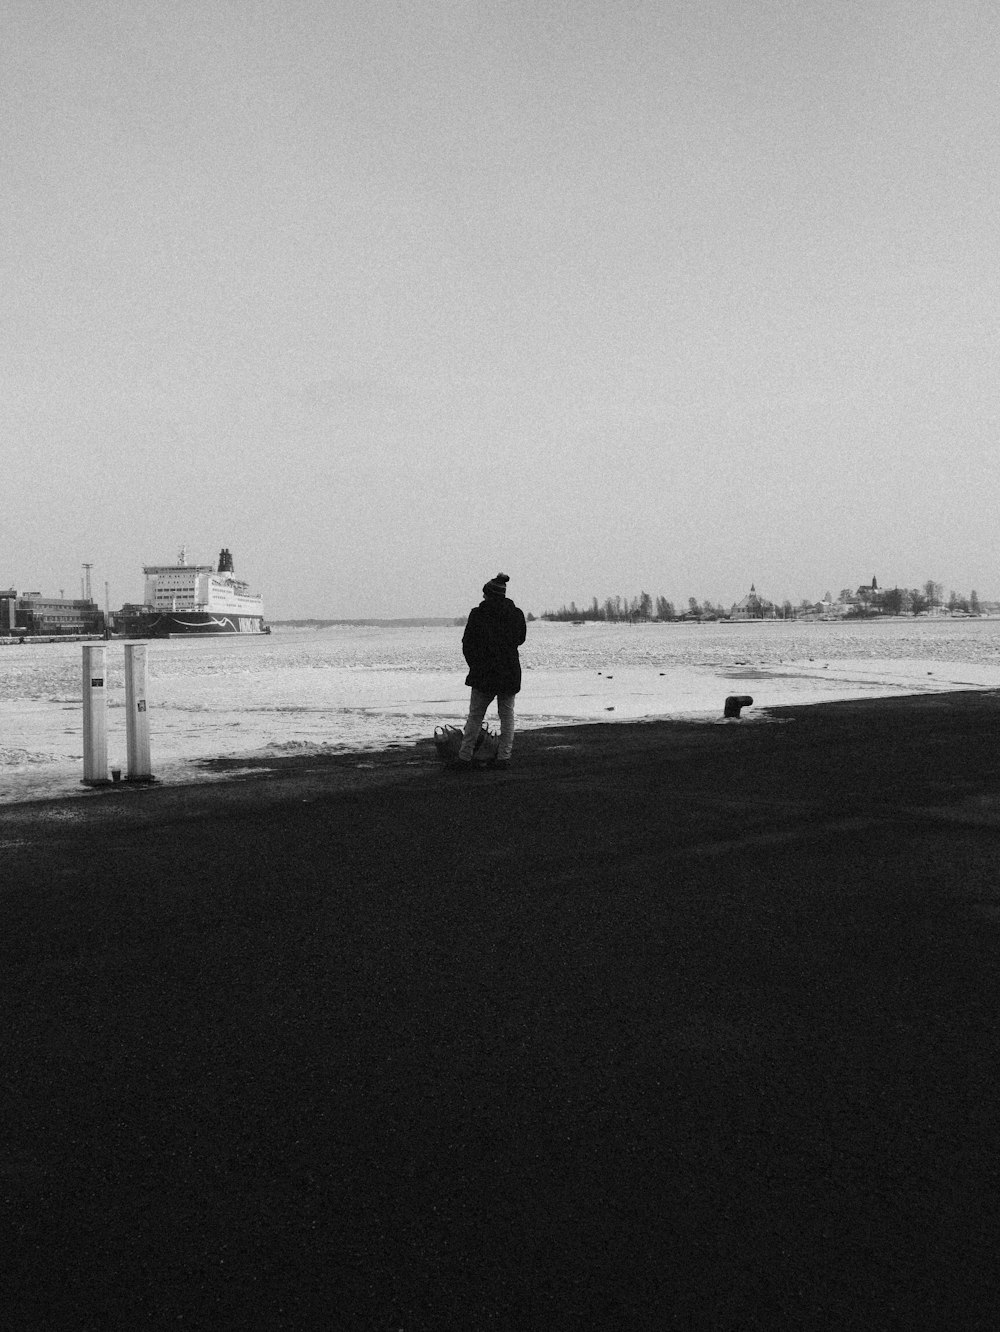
[459,765]
[501,765]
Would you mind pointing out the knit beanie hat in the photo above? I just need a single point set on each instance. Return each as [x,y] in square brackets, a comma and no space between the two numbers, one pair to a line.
[496,587]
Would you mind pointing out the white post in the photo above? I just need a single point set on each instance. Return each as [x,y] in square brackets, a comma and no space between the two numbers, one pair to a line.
[136,713]
[95,716]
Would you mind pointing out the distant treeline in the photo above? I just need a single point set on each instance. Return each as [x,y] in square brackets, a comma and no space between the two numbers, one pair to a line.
[910,600]
[867,601]
[642,607]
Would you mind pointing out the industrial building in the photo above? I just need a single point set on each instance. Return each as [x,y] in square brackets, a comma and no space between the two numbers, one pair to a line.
[30,615]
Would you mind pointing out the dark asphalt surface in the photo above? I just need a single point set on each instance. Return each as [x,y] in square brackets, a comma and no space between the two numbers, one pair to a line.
[673,1026]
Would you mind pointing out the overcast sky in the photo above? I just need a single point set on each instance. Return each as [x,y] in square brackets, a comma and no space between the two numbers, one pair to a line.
[388,295]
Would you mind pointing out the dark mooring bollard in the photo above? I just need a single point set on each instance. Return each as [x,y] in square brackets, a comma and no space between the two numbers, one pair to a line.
[734,702]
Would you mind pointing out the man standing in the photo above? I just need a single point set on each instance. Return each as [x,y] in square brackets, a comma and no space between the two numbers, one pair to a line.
[494,632]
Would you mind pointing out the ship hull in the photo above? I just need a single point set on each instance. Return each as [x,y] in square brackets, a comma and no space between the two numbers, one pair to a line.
[195,624]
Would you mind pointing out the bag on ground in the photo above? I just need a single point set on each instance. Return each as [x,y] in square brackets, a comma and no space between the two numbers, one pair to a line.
[448,741]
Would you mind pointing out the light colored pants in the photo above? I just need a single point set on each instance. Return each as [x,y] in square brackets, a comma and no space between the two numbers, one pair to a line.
[477,711]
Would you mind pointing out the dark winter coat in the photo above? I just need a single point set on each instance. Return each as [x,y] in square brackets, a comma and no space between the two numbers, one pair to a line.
[493,633]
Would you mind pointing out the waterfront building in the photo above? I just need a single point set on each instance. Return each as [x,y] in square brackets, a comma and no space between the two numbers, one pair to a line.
[828,609]
[752,607]
[8,601]
[32,615]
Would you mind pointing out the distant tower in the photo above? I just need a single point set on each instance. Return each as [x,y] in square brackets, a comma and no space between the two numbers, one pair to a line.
[874,584]
[225,561]
[86,593]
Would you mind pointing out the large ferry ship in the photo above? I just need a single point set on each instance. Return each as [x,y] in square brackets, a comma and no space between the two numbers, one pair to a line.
[183,600]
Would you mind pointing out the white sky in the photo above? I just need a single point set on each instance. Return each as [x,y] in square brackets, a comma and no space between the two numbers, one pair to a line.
[387,295]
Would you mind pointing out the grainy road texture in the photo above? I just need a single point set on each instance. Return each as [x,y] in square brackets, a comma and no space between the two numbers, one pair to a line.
[670,1027]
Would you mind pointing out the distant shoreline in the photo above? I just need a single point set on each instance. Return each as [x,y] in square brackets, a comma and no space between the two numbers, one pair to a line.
[415,622]
[450,620]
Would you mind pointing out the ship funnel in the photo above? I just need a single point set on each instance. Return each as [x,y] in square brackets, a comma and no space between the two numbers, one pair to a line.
[225,561]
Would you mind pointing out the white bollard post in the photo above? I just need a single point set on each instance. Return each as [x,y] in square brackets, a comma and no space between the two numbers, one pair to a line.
[95,716]
[136,713]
